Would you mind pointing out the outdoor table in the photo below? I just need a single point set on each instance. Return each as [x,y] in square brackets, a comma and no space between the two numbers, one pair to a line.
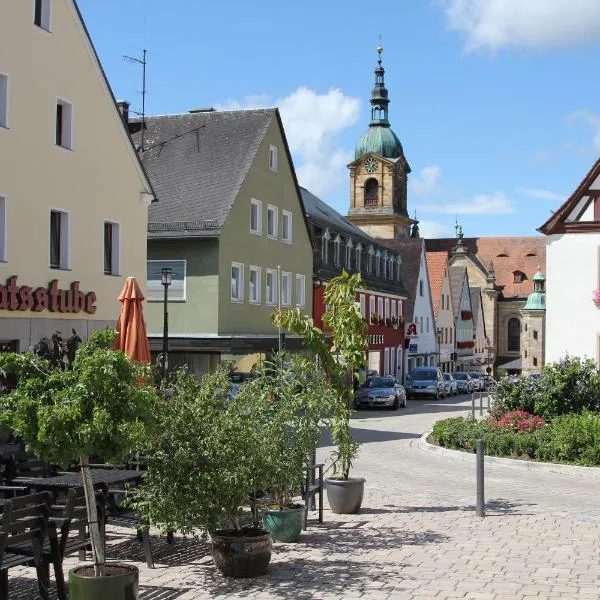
[65,481]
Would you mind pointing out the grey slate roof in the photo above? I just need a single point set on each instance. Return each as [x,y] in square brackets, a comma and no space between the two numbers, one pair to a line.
[457,276]
[410,249]
[197,163]
[323,214]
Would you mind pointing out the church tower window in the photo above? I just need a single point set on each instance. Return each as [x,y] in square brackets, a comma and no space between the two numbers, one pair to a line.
[371,193]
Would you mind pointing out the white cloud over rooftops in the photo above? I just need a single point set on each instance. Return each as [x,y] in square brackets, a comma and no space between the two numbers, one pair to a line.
[494,24]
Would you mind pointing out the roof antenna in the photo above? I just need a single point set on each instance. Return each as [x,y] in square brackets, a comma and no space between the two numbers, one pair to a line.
[141,61]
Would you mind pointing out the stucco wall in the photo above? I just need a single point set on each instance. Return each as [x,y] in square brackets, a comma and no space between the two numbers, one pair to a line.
[98,180]
[426,342]
[198,314]
[445,321]
[572,319]
[237,244]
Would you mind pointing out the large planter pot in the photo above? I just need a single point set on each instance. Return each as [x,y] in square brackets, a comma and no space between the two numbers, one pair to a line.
[244,553]
[284,525]
[345,495]
[119,583]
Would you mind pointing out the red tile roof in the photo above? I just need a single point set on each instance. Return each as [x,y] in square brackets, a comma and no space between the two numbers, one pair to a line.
[436,265]
[507,254]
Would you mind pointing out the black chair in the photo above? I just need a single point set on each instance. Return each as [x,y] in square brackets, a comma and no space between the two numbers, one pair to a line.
[26,530]
[311,488]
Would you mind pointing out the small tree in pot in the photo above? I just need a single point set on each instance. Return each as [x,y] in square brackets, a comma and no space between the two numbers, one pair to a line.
[205,460]
[298,398]
[339,357]
[100,406]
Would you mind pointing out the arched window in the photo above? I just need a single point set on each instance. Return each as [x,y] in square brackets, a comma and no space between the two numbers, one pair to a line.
[514,335]
[336,251]
[371,193]
[359,257]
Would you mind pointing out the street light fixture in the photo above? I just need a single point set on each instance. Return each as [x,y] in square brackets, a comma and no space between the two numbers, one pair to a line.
[489,355]
[166,280]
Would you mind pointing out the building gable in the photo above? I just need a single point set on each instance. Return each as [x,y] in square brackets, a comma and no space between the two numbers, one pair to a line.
[580,213]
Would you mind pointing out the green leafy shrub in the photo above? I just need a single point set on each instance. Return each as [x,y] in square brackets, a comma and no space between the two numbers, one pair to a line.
[576,439]
[515,395]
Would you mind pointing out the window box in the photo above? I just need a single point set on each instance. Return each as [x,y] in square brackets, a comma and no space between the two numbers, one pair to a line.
[465,315]
[466,344]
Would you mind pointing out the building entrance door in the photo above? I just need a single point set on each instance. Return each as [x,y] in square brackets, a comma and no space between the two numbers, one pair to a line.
[375,361]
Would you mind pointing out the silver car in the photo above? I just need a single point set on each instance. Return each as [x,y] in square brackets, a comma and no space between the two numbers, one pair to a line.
[381,391]
[478,382]
[426,381]
[450,385]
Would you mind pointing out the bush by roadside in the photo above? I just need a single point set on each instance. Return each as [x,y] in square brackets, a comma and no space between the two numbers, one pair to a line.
[571,385]
[571,439]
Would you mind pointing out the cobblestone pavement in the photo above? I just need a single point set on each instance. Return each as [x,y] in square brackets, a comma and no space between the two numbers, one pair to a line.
[416,537]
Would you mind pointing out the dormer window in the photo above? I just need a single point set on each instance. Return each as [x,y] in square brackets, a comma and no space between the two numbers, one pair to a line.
[399,262]
[371,193]
[385,264]
[519,276]
[378,263]
[359,257]
[349,254]
[324,246]
[370,259]
[336,250]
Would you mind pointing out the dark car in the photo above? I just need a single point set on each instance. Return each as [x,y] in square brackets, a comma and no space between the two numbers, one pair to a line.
[464,381]
[450,385]
[381,391]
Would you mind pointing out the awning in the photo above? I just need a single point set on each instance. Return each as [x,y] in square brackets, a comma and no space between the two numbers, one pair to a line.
[509,362]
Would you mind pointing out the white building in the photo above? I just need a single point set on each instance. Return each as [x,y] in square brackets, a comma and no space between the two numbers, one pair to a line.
[573,273]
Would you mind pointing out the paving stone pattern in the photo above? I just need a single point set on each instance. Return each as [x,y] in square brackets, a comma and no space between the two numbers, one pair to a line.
[416,537]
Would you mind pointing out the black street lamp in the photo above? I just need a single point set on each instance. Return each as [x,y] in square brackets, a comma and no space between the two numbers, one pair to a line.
[165,280]
[489,355]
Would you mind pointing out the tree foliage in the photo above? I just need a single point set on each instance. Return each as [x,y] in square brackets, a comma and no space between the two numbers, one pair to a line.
[340,355]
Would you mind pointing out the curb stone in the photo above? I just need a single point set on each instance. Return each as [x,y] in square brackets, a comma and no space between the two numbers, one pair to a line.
[528,465]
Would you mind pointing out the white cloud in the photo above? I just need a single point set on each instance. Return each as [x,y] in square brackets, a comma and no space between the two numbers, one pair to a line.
[493,24]
[496,203]
[592,120]
[435,229]
[424,183]
[312,125]
[539,194]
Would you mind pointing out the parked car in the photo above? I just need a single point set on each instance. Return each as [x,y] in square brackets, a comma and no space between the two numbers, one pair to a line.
[464,382]
[478,383]
[426,381]
[490,383]
[381,391]
[450,385]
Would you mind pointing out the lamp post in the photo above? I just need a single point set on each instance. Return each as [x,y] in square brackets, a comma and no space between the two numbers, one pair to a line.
[165,280]
[489,355]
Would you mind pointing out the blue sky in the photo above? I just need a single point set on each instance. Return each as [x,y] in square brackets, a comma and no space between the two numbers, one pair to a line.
[496,102]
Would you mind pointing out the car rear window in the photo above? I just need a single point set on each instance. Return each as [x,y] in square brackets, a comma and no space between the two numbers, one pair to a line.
[424,375]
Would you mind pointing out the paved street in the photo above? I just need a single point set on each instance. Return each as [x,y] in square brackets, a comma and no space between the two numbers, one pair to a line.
[416,537]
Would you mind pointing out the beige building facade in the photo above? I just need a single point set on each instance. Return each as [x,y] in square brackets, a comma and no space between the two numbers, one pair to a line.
[73,196]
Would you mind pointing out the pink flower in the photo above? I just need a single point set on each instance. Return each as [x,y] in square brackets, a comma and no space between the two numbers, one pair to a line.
[596,296]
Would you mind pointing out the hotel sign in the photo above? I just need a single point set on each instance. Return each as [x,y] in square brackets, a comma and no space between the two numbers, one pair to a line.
[16,297]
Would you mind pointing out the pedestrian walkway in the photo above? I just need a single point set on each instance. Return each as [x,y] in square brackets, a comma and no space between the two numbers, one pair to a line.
[416,537]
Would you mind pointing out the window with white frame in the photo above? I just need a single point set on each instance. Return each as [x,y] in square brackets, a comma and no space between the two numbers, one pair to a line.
[286,288]
[272,212]
[273,158]
[371,308]
[237,282]
[394,309]
[363,305]
[336,250]
[398,262]
[111,248]
[325,246]
[370,260]
[380,308]
[256,216]
[286,226]
[359,258]
[300,291]
[3,229]
[41,13]
[3,100]
[271,287]
[378,263]
[64,124]
[59,239]
[387,308]
[391,267]
[349,254]
[385,265]
[254,285]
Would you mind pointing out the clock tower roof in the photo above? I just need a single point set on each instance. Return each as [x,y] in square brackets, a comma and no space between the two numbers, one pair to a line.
[379,138]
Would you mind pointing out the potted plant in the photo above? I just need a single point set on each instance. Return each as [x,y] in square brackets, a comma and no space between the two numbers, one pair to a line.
[299,399]
[204,461]
[339,358]
[99,406]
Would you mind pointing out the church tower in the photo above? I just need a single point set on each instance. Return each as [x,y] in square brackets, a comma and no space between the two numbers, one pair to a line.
[379,172]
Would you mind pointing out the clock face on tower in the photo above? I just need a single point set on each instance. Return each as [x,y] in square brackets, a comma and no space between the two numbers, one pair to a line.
[371,165]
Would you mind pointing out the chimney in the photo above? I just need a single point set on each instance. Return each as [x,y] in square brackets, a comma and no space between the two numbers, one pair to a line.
[123,107]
